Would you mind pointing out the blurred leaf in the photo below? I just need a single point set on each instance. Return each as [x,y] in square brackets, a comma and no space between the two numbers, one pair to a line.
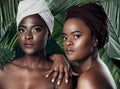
[113,69]
[8,10]
[113,11]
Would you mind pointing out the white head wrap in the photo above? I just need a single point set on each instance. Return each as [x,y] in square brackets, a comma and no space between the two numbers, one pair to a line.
[31,7]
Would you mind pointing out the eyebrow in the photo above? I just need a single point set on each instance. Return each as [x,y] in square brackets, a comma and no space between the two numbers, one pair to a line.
[24,26]
[72,32]
[76,31]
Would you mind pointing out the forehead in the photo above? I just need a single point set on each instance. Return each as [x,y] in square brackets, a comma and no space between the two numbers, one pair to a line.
[32,19]
[75,21]
[75,24]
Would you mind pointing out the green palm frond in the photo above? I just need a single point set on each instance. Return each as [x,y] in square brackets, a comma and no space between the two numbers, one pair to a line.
[8,10]
[108,61]
[7,44]
[112,48]
[8,38]
[113,11]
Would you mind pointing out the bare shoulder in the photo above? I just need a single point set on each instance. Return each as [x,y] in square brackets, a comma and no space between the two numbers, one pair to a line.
[94,79]
[9,68]
[87,81]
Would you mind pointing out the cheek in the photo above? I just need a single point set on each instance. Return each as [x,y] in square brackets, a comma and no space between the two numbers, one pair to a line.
[79,45]
[83,48]
[84,42]
[41,39]
[64,47]
[20,39]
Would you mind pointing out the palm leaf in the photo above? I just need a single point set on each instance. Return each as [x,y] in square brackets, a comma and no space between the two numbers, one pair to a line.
[113,47]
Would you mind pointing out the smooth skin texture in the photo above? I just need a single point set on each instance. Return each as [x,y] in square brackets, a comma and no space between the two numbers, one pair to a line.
[81,46]
[60,69]
[28,72]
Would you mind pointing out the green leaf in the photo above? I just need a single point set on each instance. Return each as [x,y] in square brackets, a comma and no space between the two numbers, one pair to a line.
[113,11]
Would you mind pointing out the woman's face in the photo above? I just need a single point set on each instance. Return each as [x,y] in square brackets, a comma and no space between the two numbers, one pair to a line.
[77,40]
[32,34]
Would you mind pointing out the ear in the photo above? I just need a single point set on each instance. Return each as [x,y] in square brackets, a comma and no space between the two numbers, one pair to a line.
[95,41]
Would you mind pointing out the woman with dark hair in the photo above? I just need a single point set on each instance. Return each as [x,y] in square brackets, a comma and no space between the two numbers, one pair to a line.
[85,31]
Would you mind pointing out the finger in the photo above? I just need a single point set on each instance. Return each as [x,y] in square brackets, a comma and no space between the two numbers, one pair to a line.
[54,76]
[49,73]
[66,75]
[61,75]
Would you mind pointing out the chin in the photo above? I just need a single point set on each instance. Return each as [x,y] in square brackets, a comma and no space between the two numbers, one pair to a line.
[30,52]
[70,58]
[73,58]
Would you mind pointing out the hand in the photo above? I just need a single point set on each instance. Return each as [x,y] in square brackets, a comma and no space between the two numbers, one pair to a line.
[60,69]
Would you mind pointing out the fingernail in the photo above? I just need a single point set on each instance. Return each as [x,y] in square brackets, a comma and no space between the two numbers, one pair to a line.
[55,68]
[66,81]
[46,76]
[58,83]
[52,80]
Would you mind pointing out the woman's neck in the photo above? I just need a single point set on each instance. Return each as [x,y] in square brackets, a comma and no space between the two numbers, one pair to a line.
[87,63]
[32,61]
[36,60]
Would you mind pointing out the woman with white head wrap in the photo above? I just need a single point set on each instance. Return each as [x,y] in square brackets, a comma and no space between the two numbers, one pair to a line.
[28,72]
[31,7]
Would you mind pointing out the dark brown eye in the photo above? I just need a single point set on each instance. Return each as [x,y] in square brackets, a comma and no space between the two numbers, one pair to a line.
[21,30]
[76,36]
[36,29]
[64,37]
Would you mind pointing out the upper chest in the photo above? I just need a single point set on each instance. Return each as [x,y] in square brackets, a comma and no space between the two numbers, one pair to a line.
[25,79]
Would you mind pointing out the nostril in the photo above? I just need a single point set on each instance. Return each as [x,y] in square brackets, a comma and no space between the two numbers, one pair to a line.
[69,43]
[28,36]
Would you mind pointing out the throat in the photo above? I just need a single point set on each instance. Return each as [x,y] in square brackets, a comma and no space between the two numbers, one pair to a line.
[89,62]
[86,65]
[34,62]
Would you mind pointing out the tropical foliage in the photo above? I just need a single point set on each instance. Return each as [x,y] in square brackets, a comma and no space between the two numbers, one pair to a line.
[110,53]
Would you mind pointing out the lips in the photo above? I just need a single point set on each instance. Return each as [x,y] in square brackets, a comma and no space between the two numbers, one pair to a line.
[69,51]
[29,45]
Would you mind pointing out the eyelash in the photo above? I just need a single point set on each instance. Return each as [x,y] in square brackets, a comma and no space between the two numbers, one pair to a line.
[21,30]
[36,29]
[64,38]
[77,36]
[74,36]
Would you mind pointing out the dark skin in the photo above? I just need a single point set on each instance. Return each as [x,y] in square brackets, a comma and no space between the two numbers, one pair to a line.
[81,46]
[60,69]
[28,72]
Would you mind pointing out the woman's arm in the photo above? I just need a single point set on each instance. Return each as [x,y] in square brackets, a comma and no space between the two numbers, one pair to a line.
[60,68]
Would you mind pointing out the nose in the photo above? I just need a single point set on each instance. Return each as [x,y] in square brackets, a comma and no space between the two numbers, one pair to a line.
[69,42]
[28,35]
